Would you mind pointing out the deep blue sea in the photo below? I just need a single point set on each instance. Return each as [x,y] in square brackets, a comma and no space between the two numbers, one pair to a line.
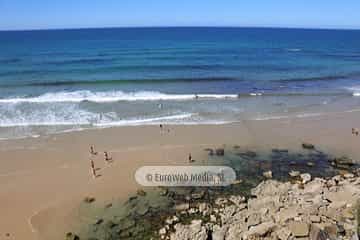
[63,80]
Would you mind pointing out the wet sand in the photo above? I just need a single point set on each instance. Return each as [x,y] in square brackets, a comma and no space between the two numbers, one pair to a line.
[43,180]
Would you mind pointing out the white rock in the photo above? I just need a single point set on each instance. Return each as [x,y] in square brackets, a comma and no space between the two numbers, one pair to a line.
[349,175]
[194,231]
[267,174]
[315,218]
[259,230]
[162,231]
[212,218]
[218,233]
[237,200]
[294,173]
[299,229]
[305,177]
[283,233]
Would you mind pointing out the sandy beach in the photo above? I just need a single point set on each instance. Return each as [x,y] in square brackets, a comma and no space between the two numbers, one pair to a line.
[43,180]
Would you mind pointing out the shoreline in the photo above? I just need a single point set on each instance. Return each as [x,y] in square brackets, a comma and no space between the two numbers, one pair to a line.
[337,111]
[49,176]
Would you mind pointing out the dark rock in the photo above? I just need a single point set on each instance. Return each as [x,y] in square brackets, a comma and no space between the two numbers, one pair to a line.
[109,205]
[343,162]
[110,224]
[163,192]
[211,151]
[308,146]
[132,198]
[89,199]
[72,236]
[248,154]
[99,221]
[171,194]
[220,152]
[127,223]
[142,209]
[276,150]
[125,234]
[341,229]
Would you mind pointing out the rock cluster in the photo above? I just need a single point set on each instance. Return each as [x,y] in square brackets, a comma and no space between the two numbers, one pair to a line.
[308,208]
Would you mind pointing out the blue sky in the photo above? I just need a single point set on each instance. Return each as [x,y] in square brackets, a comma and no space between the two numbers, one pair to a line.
[44,14]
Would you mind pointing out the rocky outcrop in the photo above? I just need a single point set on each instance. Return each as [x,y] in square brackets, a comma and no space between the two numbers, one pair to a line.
[308,208]
[194,231]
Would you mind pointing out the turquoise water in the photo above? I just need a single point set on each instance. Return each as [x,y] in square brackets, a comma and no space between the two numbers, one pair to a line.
[62,80]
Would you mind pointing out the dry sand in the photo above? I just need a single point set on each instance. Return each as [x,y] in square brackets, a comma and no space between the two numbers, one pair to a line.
[43,180]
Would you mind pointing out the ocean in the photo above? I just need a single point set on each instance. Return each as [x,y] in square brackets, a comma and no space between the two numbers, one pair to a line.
[67,80]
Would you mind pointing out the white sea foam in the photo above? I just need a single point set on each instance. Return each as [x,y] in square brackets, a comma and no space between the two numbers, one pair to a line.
[83,118]
[49,115]
[110,96]
[355,90]
[256,94]
[270,118]
[142,121]
[303,115]
[293,49]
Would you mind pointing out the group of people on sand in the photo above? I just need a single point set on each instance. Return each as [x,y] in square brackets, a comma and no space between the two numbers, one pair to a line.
[107,158]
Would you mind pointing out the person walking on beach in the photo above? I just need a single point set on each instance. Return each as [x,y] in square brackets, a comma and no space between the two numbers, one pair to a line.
[93,170]
[92,150]
[190,158]
[107,157]
[355,131]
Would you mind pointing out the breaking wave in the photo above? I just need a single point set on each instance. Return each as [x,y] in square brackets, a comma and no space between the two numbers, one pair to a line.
[110,96]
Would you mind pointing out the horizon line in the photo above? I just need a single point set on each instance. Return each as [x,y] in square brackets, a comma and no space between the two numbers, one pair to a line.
[180,26]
